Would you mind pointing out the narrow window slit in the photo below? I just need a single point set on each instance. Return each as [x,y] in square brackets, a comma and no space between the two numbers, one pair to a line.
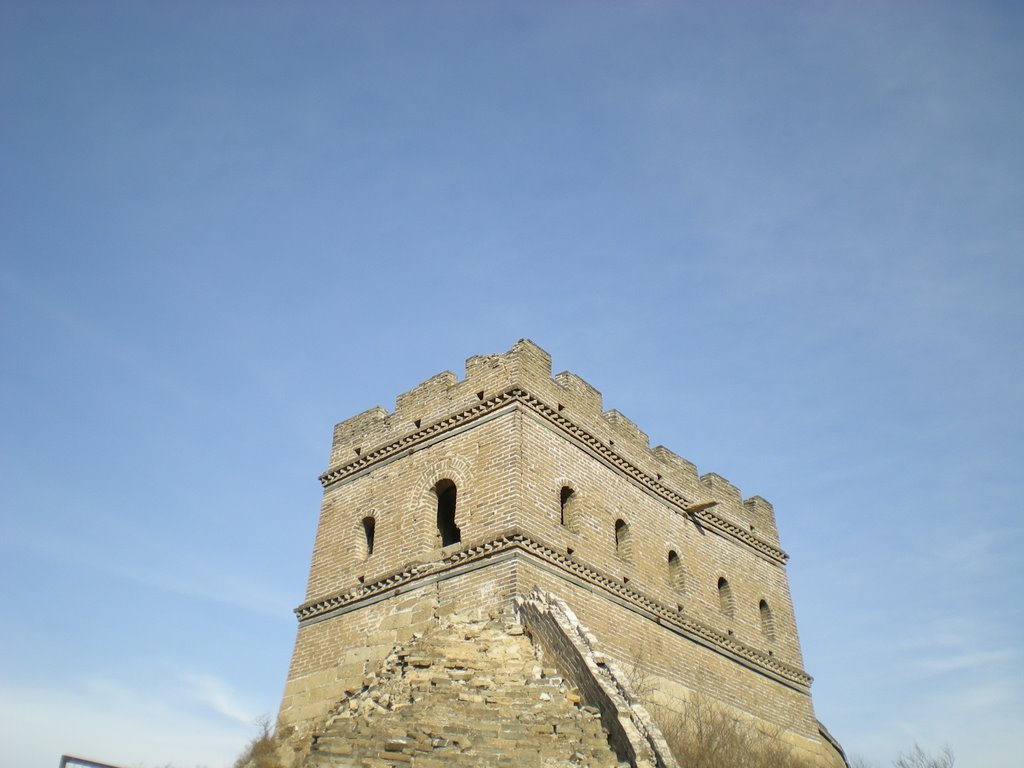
[566,506]
[369,530]
[675,572]
[447,530]
[725,601]
[767,620]
[623,541]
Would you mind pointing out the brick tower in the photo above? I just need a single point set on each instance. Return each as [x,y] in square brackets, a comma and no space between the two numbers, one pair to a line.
[473,497]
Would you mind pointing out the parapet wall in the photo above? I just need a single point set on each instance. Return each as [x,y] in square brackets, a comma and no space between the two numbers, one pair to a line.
[442,399]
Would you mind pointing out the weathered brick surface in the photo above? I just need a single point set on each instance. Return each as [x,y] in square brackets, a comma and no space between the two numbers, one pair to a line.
[552,491]
[468,693]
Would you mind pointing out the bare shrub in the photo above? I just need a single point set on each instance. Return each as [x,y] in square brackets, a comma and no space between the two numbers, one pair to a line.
[261,751]
[918,758]
[637,676]
[915,758]
[707,736]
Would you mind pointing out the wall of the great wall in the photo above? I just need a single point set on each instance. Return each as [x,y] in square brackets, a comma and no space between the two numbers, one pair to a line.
[515,442]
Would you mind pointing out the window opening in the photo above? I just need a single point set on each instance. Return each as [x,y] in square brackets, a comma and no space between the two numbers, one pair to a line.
[675,571]
[567,503]
[447,530]
[767,620]
[623,543]
[369,528]
[725,597]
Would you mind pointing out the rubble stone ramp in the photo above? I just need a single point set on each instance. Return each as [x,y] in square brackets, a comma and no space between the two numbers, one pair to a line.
[468,693]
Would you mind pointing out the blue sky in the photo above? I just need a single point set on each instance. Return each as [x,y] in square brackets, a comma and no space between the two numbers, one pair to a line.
[786,239]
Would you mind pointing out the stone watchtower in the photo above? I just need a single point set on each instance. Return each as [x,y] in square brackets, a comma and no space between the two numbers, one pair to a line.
[512,493]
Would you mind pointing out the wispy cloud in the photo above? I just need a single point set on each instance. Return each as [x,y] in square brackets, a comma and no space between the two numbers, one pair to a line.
[963,659]
[228,588]
[237,587]
[216,694]
[995,696]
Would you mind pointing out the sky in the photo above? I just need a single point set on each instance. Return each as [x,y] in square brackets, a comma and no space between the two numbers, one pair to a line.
[786,239]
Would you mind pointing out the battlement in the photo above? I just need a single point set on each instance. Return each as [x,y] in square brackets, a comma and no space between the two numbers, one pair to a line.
[526,368]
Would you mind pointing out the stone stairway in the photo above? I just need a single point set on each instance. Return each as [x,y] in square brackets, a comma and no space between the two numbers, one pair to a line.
[468,693]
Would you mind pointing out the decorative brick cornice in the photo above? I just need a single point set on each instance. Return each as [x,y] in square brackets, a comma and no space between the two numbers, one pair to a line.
[518,398]
[323,608]
[418,437]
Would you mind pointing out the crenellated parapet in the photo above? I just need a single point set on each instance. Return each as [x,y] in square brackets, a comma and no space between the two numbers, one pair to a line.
[440,397]
[522,378]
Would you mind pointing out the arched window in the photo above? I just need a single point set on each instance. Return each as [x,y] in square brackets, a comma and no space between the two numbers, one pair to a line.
[567,501]
[725,597]
[369,527]
[447,530]
[675,572]
[767,620]
[623,541]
